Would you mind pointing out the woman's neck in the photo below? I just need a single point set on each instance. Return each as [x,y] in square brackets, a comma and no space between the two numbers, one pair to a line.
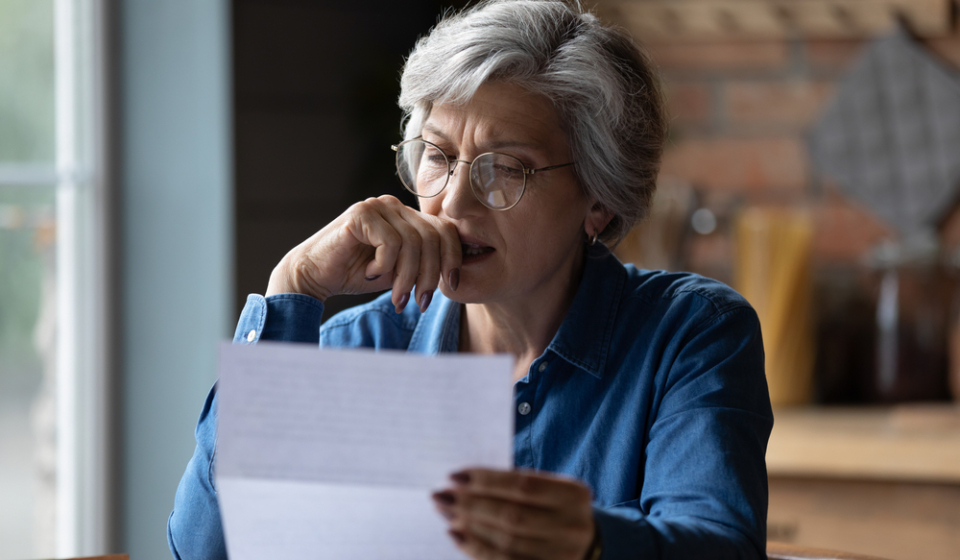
[523,327]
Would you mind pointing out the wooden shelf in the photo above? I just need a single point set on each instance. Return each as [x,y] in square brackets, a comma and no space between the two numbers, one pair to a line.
[916,443]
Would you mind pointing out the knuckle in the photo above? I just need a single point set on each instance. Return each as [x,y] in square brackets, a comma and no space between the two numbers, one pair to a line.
[361,207]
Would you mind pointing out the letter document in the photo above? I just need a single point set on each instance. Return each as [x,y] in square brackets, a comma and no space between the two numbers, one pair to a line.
[334,453]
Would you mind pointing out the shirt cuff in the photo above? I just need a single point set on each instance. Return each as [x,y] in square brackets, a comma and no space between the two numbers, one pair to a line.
[623,534]
[283,317]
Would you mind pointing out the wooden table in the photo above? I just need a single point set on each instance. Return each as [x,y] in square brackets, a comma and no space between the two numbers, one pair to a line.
[881,481]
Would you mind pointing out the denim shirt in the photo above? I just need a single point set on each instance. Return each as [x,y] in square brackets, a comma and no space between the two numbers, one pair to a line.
[652,392]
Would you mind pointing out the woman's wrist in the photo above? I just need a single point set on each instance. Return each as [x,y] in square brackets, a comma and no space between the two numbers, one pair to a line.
[286,278]
[596,548]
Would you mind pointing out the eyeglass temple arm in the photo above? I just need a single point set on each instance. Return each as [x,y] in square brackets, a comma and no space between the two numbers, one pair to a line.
[552,167]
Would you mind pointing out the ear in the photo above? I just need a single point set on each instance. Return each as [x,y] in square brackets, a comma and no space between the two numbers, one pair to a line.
[597,219]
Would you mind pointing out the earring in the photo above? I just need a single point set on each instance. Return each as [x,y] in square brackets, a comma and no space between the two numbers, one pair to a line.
[592,239]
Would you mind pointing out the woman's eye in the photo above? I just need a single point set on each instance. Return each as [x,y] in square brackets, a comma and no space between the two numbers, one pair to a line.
[508,170]
[436,160]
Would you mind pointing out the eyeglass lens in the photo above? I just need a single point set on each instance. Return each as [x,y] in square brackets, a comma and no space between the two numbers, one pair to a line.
[497,179]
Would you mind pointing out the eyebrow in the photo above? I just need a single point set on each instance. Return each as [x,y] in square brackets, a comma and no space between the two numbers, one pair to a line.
[492,145]
[434,130]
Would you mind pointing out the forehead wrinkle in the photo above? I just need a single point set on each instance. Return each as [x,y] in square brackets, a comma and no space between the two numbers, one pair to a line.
[490,136]
[499,116]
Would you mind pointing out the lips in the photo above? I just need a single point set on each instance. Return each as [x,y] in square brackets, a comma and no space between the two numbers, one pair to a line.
[474,250]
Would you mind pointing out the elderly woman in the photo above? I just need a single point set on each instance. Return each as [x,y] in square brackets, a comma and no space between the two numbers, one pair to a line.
[533,137]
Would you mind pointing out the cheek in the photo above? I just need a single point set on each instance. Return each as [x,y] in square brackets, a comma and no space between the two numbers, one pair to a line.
[431,206]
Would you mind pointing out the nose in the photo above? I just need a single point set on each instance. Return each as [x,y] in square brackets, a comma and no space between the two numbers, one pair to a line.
[458,198]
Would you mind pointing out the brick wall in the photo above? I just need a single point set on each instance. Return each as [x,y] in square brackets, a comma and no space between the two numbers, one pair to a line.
[739,115]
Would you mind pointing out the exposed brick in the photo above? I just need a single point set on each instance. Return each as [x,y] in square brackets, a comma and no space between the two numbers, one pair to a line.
[743,165]
[845,231]
[719,56]
[834,55]
[947,48]
[688,103]
[794,104]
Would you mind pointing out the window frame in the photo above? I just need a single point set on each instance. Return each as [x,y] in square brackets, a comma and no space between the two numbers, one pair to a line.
[84,283]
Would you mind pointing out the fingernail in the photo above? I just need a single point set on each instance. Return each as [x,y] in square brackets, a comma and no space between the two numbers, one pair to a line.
[425,298]
[403,302]
[372,278]
[461,477]
[453,279]
[446,497]
[457,536]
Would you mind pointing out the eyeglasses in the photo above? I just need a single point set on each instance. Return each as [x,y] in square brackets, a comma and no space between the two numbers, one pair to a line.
[498,180]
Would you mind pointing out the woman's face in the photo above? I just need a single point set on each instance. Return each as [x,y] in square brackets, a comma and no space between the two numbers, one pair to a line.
[536,247]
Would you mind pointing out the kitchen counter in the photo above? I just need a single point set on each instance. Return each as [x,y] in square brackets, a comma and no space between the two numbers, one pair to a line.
[919,443]
[878,481]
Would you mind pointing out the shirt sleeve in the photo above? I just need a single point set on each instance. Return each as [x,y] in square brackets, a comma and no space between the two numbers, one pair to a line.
[194,530]
[283,317]
[705,492]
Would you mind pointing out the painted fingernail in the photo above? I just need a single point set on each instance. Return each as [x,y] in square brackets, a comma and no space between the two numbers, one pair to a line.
[446,497]
[461,477]
[453,279]
[425,298]
[403,302]
[372,278]
[457,536]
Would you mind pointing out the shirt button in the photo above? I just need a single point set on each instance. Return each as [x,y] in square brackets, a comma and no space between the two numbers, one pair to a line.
[251,335]
[524,408]
[543,366]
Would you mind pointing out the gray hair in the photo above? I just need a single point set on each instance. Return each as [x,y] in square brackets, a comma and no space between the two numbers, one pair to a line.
[601,83]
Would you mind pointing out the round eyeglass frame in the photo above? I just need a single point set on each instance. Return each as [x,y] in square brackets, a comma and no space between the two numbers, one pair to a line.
[452,166]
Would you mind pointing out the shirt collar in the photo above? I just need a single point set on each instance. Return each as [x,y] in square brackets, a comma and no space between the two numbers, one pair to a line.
[586,332]
[584,336]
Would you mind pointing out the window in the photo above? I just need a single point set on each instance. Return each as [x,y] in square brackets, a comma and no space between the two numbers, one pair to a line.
[52,279]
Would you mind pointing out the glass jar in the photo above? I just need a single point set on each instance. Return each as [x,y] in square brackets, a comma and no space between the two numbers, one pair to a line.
[912,291]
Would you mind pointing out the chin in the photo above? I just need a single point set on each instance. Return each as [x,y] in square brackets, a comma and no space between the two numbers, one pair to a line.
[464,294]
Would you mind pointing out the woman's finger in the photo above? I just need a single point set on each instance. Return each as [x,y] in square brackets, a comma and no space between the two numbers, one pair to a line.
[370,228]
[407,267]
[526,487]
[429,275]
[451,250]
[512,545]
[518,519]
[476,547]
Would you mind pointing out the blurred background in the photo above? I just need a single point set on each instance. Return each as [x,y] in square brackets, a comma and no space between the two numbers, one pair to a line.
[158,158]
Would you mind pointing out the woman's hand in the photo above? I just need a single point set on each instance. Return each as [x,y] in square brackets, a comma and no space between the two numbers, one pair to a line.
[375,245]
[515,514]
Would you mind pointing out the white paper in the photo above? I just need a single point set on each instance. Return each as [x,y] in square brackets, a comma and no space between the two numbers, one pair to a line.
[334,453]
